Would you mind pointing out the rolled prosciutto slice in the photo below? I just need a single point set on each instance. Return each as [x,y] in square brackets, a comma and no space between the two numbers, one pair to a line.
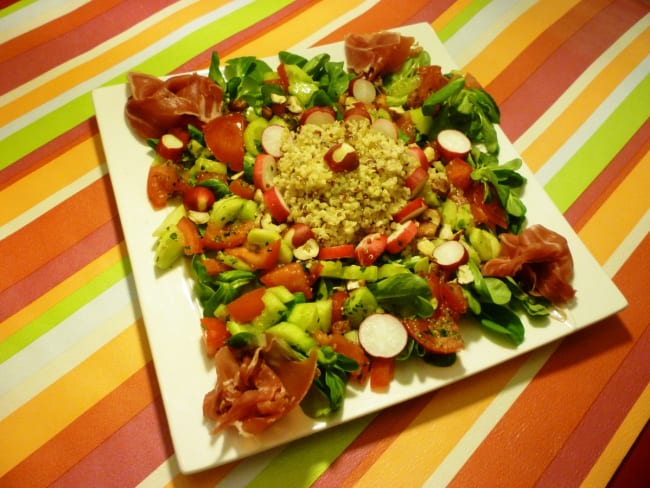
[156,105]
[255,390]
[379,53]
[538,258]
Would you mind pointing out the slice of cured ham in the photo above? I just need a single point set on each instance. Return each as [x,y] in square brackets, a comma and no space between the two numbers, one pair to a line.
[379,53]
[156,105]
[255,390]
[538,258]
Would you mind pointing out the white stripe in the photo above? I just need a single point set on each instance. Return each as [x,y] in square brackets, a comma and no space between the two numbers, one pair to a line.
[628,245]
[492,415]
[577,140]
[35,15]
[93,53]
[464,45]
[117,69]
[70,333]
[578,86]
[52,201]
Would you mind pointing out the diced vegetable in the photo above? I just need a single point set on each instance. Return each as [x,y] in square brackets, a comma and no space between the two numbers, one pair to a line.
[382,335]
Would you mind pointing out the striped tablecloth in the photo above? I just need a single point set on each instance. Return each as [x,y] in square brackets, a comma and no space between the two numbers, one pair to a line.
[79,400]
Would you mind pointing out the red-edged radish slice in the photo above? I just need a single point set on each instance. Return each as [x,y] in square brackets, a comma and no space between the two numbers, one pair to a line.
[411,210]
[264,170]
[386,127]
[318,116]
[420,155]
[402,236]
[198,199]
[363,90]
[170,147]
[382,335]
[416,180]
[370,248]
[450,254]
[308,250]
[453,143]
[357,112]
[298,234]
[342,157]
[272,139]
[276,205]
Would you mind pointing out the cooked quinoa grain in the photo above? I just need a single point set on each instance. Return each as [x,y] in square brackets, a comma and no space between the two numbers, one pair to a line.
[343,207]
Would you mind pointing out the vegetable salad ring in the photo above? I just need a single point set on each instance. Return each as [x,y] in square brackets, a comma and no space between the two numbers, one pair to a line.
[338,218]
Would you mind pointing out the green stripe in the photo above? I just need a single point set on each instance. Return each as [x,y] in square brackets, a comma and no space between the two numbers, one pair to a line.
[457,23]
[15,7]
[598,151]
[304,460]
[59,121]
[64,309]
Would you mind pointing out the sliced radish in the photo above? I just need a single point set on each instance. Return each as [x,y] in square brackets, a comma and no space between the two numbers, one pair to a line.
[308,250]
[318,116]
[420,155]
[386,127]
[370,248]
[276,205]
[272,139]
[363,90]
[357,112]
[450,254]
[416,180]
[170,147]
[382,335]
[342,157]
[264,170]
[453,144]
[402,236]
[411,210]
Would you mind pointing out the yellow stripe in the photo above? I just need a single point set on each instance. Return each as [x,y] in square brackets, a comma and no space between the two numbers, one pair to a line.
[27,192]
[618,215]
[99,64]
[71,284]
[295,30]
[443,423]
[516,38]
[449,14]
[575,114]
[36,422]
[610,459]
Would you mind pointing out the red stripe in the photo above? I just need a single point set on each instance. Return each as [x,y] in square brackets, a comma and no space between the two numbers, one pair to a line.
[24,292]
[86,32]
[371,443]
[603,418]
[430,12]
[633,471]
[607,181]
[556,74]
[549,408]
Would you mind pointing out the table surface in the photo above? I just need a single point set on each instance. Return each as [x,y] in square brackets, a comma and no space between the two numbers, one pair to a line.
[79,400]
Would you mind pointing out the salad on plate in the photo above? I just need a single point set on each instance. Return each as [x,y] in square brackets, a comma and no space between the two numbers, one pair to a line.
[338,218]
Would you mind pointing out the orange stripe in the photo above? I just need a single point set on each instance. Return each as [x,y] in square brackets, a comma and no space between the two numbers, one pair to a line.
[31,426]
[56,231]
[575,114]
[53,296]
[527,42]
[586,360]
[54,29]
[521,35]
[449,14]
[86,432]
[100,63]
[49,179]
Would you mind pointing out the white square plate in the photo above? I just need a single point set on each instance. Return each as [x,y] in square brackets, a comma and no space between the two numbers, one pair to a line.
[171,313]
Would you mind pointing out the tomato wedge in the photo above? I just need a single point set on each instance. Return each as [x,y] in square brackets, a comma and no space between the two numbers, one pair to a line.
[342,345]
[258,259]
[292,275]
[489,212]
[342,251]
[224,136]
[438,334]
[215,334]
[217,238]
[161,184]
[459,173]
[242,189]
[246,307]
[382,371]
[191,240]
